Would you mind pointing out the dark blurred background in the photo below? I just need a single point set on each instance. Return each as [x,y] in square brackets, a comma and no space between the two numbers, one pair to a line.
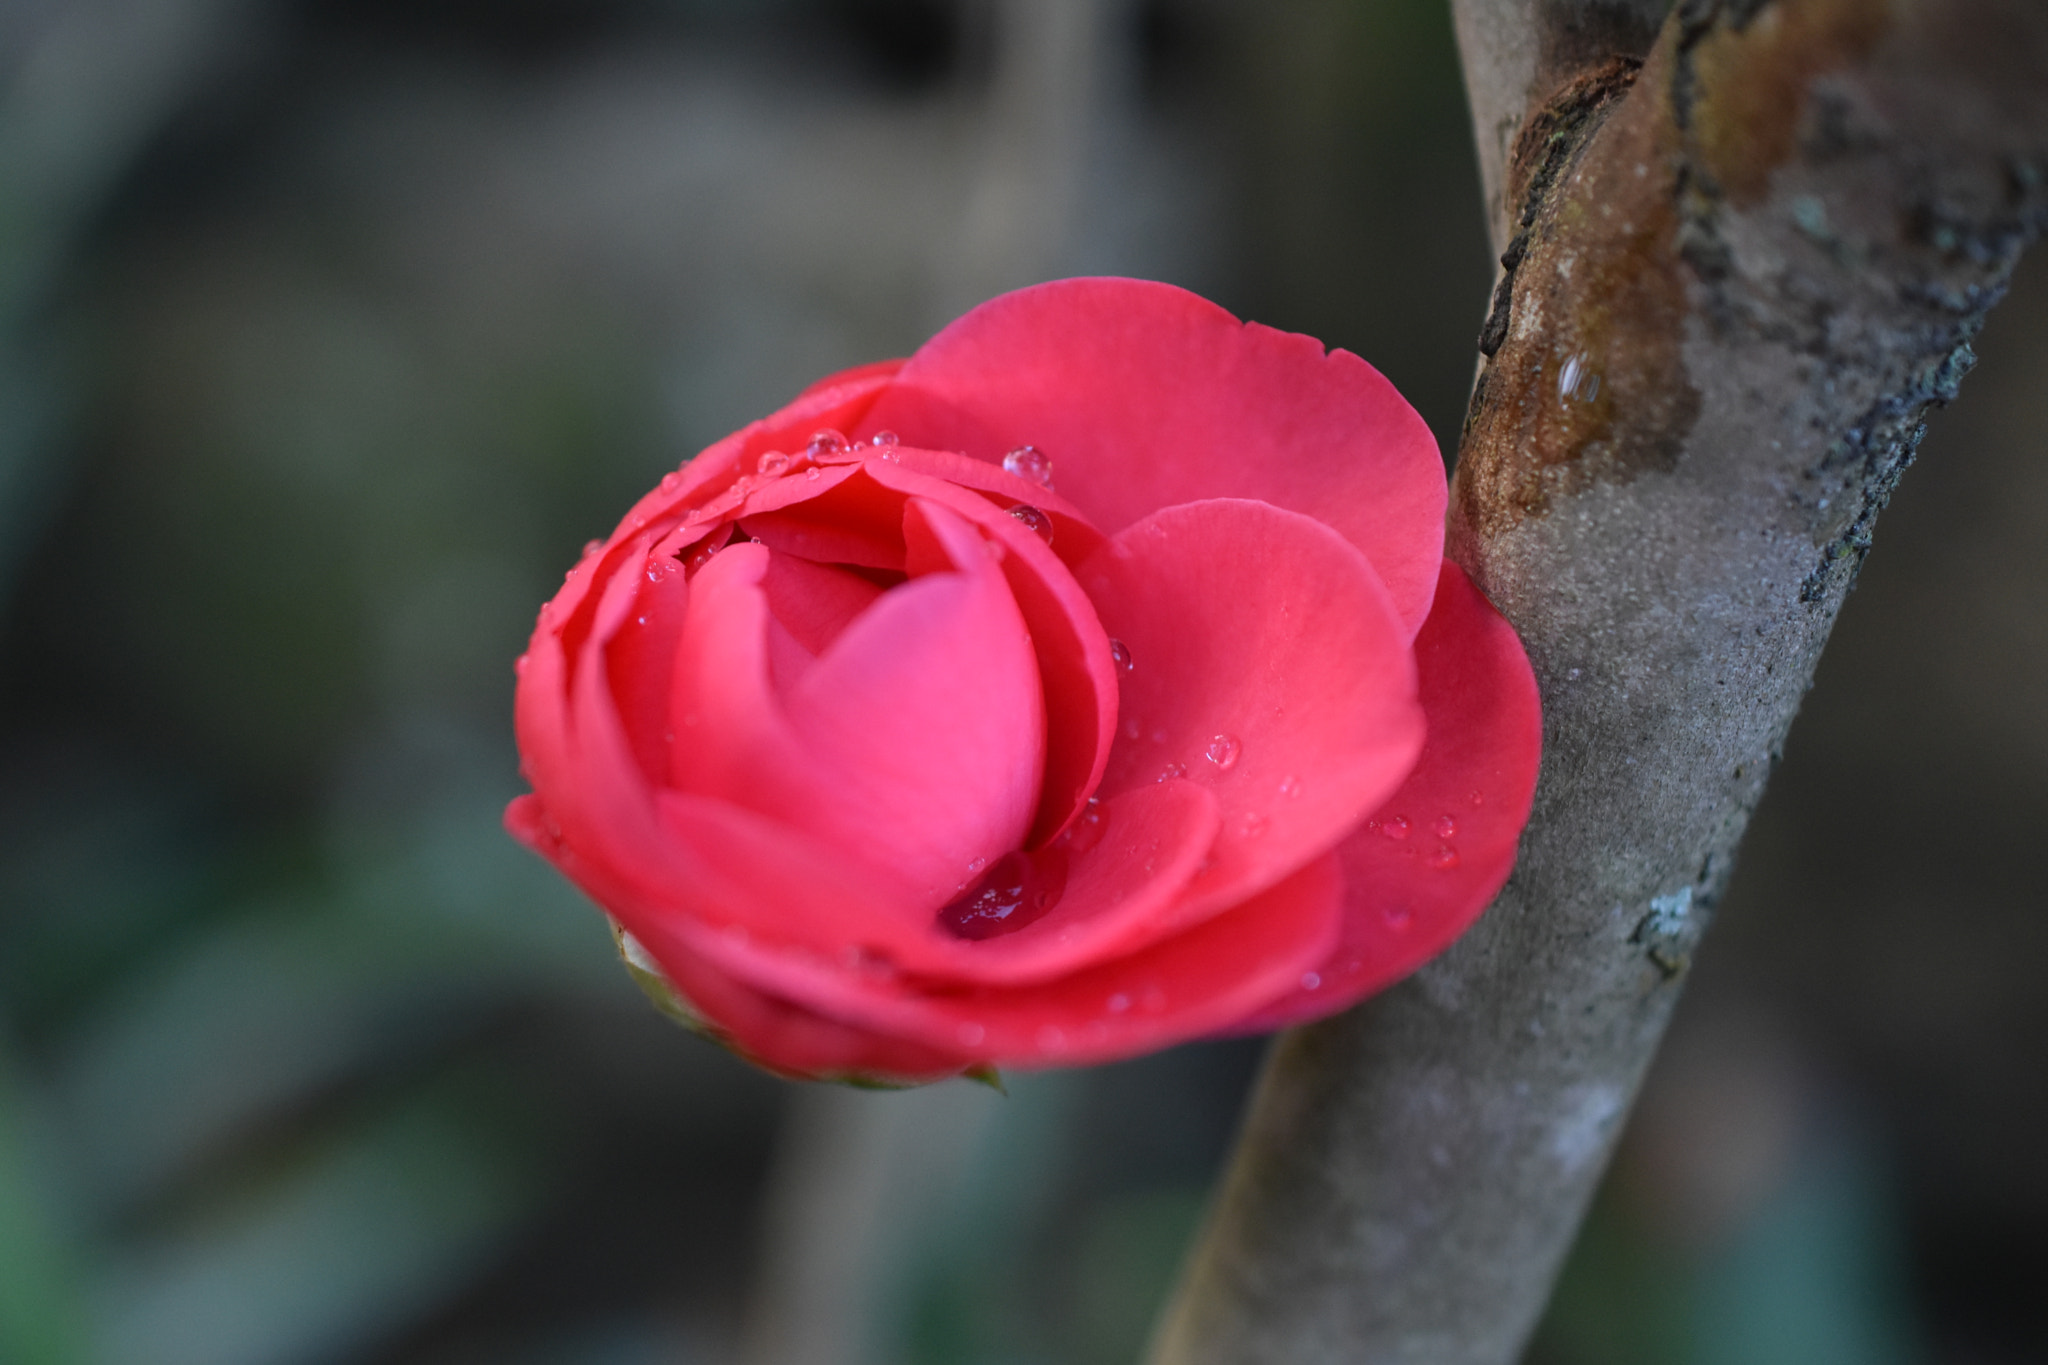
[329,331]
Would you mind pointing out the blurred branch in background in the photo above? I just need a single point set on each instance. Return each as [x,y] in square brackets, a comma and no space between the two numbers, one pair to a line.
[83,86]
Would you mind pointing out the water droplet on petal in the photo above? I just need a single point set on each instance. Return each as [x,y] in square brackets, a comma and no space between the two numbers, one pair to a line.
[670,480]
[1223,751]
[884,438]
[1444,859]
[813,474]
[591,547]
[774,464]
[1253,824]
[1446,826]
[1088,827]
[1039,522]
[1119,1002]
[1172,772]
[1015,891]
[1290,786]
[1120,655]
[1475,798]
[825,442]
[970,1035]
[1029,462]
[1131,727]
[519,664]
[1395,827]
[1051,1038]
[1311,981]
[1396,915]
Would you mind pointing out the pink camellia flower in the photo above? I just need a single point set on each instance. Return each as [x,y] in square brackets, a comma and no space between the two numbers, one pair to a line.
[1091,681]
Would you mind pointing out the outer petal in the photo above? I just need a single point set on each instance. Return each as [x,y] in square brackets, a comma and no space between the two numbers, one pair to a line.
[854,375]
[1144,395]
[1265,665]
[1407,898]
[1191,985]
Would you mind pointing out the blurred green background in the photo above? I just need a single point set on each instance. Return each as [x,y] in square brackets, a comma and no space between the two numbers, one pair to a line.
[329,331]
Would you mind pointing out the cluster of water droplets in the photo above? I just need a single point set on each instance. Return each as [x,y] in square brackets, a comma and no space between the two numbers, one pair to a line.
[1444,856]
[1087,829]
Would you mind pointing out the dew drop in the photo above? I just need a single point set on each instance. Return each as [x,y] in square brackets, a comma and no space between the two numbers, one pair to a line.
[1051,1038]
[1088,827]
[1120,655]
[774,464]
[1310,981]
[1395,827]
[519,665]
[825,442]
[641,621]
[1446,826]
[1039,522]
[591,547]
[1444,858]
[1131,727]
[1475,798]
[1016,890]
[813,474]
[885,438]
[1119,1003]
[1172,772]
[1290,786]
[970,1035]
[670,480]
[1397,915]
[1577,380]
[1253,824]
[1223,751]
[1029,462]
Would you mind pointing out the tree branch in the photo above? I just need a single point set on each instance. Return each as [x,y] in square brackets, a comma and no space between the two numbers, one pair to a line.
[1737,280]
[1517,52]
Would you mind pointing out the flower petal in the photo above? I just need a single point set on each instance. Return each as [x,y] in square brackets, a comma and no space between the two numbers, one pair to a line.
[1076,672]
[1188,986]
[914,743]
[1144,396]
[1407,898]
[1267,665]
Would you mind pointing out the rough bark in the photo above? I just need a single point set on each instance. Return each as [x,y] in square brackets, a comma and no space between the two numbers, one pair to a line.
[1737,274]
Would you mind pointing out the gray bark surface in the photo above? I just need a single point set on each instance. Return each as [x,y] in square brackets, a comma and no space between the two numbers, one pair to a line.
[1739,267]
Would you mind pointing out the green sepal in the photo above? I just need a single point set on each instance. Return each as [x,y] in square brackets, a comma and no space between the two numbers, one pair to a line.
[646,973]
